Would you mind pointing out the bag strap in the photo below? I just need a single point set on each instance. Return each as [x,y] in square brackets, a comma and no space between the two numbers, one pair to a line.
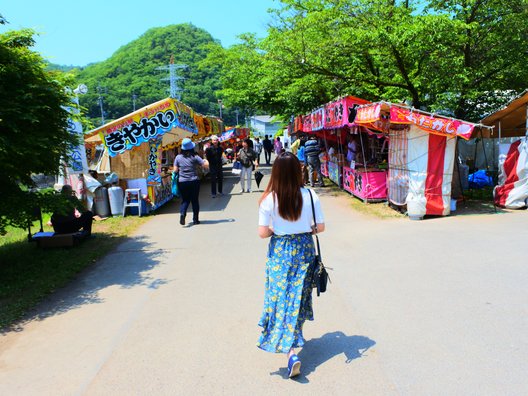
[315,224]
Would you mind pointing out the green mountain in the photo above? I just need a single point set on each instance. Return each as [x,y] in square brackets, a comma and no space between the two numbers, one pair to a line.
[132,71]
[62,68]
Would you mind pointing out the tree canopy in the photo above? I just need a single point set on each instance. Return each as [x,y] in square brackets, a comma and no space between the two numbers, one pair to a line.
[453,56]
[33,125]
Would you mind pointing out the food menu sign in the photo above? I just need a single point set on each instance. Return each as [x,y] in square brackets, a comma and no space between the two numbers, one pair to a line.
[342,112]
[298,124]
[147,123]
[336,114]
[368,114]
[154,162]
[318,119]
[441,126]
[307,123]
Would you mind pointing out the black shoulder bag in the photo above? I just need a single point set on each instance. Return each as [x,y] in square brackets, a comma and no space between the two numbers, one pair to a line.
[320,276]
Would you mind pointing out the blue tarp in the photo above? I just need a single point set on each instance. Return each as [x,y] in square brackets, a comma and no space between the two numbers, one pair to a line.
[480,179]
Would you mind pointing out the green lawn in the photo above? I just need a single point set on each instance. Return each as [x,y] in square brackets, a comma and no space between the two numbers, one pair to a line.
[28,274]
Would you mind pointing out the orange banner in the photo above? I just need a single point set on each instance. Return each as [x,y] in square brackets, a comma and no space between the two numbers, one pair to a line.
[368,114]
[437,125]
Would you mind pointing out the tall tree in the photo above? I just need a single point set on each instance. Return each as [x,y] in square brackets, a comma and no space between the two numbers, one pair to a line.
[443,56]
[487,54]
[33,125]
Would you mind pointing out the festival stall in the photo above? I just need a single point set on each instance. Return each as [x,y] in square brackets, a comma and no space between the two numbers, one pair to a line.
[333,123]
[401,154]
[142,145]
[353,157]
[230,135]
[421,155]
[511,122]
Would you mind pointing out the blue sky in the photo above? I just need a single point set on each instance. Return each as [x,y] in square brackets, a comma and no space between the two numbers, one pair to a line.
[82,32]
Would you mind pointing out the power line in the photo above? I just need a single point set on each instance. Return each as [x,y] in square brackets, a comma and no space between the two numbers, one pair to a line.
[101,90]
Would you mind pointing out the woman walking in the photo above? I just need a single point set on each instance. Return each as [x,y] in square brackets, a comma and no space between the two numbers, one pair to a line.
[186,165]
[278,146]
[248,160]
[285,215]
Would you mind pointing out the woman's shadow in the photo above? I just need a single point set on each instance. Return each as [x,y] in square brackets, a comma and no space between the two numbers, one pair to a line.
[318,350]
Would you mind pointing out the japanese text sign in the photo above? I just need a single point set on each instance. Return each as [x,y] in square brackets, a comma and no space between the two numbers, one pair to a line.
[145,124]
[368,114]
[441,126]
[318,119]
[154,162]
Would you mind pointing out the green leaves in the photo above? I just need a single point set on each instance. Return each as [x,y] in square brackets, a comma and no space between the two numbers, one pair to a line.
[442,56]
[33,124]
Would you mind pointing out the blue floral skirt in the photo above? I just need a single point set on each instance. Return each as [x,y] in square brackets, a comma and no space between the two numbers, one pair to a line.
[288,296]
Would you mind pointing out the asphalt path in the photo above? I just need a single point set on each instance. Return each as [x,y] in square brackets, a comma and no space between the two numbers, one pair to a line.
[433,307]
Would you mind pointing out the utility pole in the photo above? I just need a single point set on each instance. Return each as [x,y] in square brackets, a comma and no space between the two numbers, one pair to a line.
[134,97]
[236,112]
[175,90]
[100,99]
[220,106]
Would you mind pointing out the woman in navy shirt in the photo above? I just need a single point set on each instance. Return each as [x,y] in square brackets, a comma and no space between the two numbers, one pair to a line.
[186,165]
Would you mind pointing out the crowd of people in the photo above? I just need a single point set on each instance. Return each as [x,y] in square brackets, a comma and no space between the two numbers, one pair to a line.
[289,214]
[247,154]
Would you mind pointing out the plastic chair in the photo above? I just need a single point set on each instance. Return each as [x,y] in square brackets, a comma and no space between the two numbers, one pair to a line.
[132,200]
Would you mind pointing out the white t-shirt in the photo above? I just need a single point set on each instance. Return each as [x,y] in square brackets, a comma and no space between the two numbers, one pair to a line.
[269,215]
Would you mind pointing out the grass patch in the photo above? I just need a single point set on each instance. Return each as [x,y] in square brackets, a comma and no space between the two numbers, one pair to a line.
[380,210]
[29,274]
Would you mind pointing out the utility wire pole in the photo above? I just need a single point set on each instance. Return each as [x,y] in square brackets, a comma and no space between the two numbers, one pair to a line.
[175,89]
[134,97]
[100,99]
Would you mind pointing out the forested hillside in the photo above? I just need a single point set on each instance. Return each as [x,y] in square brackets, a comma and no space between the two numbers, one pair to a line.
[132,72]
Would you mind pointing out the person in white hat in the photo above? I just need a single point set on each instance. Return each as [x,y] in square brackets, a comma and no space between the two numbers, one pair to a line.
[185,164]
[214,155]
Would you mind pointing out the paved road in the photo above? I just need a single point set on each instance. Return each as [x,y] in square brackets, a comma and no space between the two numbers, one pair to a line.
[437,307]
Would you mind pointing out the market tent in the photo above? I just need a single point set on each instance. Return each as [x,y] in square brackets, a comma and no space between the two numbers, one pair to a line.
[137,146]
[512,190]
[421,154]
[510,121]
[168,120]
[421,149]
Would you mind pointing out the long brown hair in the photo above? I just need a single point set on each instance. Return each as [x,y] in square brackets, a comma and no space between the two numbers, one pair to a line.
[285,182]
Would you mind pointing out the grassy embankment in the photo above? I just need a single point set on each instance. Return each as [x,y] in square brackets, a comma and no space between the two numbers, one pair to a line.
[29,274]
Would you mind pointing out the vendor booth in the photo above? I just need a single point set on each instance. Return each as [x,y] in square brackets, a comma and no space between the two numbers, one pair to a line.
[232,134]
[421,155]
[142,145]
[352,155]
[511,191]
[383,151]
[333,124]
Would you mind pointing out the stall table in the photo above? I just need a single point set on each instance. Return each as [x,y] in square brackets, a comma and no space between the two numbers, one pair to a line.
[370,185]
